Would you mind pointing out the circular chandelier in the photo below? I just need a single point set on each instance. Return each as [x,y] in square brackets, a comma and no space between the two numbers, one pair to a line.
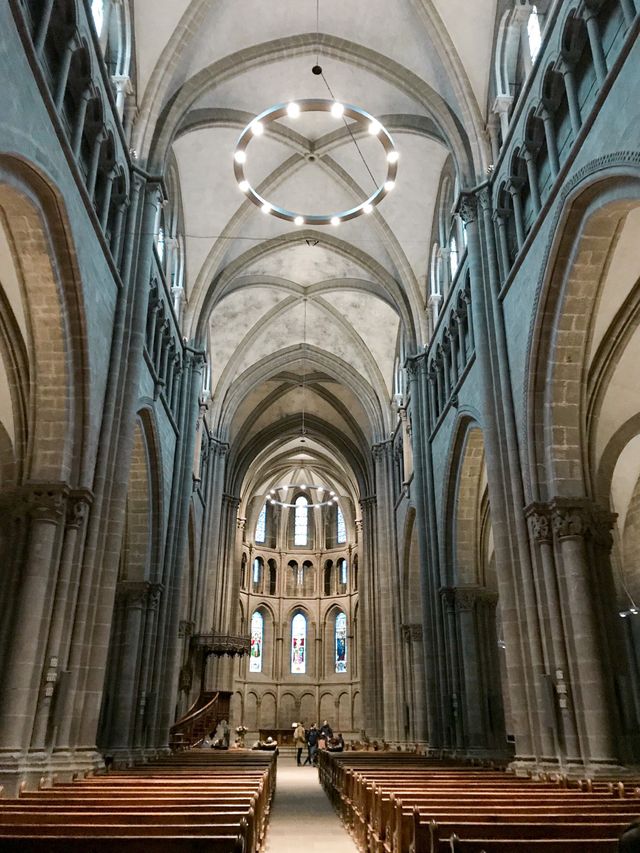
[339,111]
[273,495]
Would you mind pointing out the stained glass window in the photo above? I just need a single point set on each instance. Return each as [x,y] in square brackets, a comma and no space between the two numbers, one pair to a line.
[342,568]
[298,643]
[97,11]
[341,527]
[261,526]
[257,636]
[301,521]
[533,31]
[341,642]
[160,243]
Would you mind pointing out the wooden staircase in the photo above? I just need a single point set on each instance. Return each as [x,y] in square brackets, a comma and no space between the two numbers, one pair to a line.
[201,718]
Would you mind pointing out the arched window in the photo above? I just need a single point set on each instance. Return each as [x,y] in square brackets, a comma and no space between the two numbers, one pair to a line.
[341,527]
[97,11]
[298,644]
[342,571]
[453,257]
[534,33]
[273,577]
[341,642]
[257,636]
[300,530]
[257,570]
[261,526]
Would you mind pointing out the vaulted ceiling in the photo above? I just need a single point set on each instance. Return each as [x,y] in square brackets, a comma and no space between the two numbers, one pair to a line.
[274,303]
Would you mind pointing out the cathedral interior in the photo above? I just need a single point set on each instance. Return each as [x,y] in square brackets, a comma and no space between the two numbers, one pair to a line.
[318,325]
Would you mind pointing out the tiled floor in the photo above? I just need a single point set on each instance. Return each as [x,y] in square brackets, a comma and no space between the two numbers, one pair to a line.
[302,819]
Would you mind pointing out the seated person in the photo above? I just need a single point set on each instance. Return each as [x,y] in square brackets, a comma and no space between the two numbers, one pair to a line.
[336,743]
[269,744]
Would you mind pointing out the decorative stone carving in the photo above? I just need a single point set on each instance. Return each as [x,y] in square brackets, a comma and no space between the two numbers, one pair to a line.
[45,501]
[540,523]
[571,520]
[412,633]
[77,507]
[468,208]
[185,628]
[132,593]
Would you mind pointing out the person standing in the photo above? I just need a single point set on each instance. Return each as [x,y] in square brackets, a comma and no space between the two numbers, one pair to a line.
[300,740]
[326,733]
[312,745]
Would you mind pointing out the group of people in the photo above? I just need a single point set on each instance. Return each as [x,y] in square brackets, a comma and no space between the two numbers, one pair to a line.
[315,738]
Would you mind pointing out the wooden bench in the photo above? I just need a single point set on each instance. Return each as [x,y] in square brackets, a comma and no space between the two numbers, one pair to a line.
[396,805]
[218,805]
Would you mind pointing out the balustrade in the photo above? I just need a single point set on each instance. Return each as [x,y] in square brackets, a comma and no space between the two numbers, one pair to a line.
[581,42]
[60,36]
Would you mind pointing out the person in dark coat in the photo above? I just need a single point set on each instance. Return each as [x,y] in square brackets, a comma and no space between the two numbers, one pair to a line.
[630,839]
[312,744]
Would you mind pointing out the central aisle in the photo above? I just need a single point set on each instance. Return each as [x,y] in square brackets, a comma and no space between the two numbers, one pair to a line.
[302,818]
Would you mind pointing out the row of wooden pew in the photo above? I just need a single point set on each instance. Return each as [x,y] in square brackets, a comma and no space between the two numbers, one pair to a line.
[189,803]
[412,804]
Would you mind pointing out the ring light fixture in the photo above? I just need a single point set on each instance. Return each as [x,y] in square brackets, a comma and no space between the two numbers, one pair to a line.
[339,111]
[272,496]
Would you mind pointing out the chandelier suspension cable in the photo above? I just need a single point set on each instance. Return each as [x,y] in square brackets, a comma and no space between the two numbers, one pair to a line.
[333,97]
[303,431]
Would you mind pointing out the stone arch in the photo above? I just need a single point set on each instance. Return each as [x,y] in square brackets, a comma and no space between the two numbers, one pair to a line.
[556,404]
[327,709]
[287,710]
[307,711]
[268,706]
[466,485]
[41,249]
[344,721]
[251,711]
[140,558]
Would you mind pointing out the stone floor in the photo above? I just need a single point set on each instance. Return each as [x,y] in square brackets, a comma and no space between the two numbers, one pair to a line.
[302,819]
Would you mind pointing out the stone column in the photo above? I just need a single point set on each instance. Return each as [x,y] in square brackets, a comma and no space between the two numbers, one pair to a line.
[568,73]
[132,602]
[370,641]
[22,683]
[595,42]
[63,608]
[552,617]
[550,137]
[388,590]
[595,707]
[532,173]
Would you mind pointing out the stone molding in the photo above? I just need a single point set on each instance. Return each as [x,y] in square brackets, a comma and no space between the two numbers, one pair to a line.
[139,593]
[564,518]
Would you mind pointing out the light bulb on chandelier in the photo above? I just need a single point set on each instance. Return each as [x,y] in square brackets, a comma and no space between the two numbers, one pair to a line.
[273,495]
[360,120]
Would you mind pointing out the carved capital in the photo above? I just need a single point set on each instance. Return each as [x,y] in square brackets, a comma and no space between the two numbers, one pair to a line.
[570,521]
[484,198]
[45,501]
[133,593]
[539,516]
[468,208]
[185,628]
[382,449]
[412,633]
[78,507]
[154,594]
